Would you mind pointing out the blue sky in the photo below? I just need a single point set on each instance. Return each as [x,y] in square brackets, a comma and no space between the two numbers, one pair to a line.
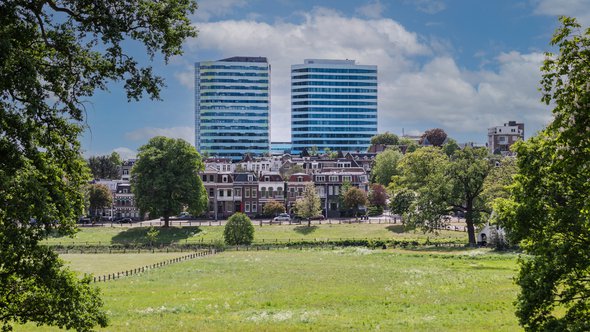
[461,65]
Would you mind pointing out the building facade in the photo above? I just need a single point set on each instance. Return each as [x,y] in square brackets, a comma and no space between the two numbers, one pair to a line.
[333,105]
[232,107]
[501,138]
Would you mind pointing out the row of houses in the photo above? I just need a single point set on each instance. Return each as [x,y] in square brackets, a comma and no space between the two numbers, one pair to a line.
[248,185]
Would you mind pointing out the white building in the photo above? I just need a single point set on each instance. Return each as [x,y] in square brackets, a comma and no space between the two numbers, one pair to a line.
[501,138]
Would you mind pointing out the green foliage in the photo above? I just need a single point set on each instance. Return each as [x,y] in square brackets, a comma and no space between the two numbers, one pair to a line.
[152,235]
[548,211]
[354,198]
[54,55]
[238,230]
[450,147]
[375,211]
[386,138]
[386,166]
[442,185]
[409,144]
[402,201]
[99,197]
[105,167]
[287,172]
[273,208]
[309,205]
[165,178]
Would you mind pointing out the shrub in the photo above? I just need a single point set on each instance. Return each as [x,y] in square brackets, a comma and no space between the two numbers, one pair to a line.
[375,211]
[238,230]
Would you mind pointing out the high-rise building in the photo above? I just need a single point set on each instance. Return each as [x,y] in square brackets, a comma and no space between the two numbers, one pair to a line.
[232,107]
[501,138]
[333,105]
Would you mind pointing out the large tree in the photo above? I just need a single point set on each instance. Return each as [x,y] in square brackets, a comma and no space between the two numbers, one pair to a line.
[377,195]
[165,178]
[99,197]
[386,138]
[105,167]
[54,54]
[273,208]
[309,205]
[442,185]
[354,198]
[386,166]
[435,136]
[548,211]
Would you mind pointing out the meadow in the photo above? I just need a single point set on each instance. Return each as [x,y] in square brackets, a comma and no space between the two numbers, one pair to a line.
[322,290]
[263,234]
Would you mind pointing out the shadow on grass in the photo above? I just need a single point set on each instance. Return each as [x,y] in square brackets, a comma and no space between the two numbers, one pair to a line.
[138,235]
[396,229]
[304,230]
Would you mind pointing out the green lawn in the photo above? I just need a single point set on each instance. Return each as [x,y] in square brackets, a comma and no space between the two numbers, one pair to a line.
[263,234]
[100,264]
[321,290]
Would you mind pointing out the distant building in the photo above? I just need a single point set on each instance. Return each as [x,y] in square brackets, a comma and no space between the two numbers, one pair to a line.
[280,148]
[501,138]
[232,107]
[333,105]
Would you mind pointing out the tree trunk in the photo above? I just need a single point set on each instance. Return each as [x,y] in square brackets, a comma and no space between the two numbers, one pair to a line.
[469,222]
[166,221]
[308,222]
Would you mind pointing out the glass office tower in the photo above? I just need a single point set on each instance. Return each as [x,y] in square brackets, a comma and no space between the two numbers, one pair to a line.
[333,105]
[232,107]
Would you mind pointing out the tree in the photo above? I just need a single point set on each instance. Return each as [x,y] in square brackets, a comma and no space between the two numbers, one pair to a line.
[548,208]
[435,137]
[99,197]
[105,167]
[287,172]
[309,205]
[377,195]
[353,198]
[238,230]
[165,178]
[386,138]
[55,54]
[408,145]
[450,147]
[402,201]
[273,208]
[442,185]
[386,166]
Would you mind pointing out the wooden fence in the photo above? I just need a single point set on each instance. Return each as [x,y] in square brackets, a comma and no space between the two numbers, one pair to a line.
[117,275]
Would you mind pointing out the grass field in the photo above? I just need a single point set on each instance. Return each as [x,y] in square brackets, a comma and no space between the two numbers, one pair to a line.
[100,264]
[266,233]
[321,290]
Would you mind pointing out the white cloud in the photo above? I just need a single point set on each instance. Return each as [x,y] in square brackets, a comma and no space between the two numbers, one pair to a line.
[208,9]
[579,9]
[144,134]
[125,153]
[186,77]
[412,93]
[371,10]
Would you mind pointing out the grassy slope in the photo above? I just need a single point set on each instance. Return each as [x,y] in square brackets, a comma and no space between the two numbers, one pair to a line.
[100,264]
[350,289]
[113,235]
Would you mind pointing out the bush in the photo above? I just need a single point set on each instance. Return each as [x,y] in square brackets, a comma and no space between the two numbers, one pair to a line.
[238,230]
[375,211]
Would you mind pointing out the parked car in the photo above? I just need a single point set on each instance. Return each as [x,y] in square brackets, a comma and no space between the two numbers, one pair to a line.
[282,217]
[125,220]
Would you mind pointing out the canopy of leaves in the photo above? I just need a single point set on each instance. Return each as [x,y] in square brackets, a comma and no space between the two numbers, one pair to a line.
[309,205]
[386,166]
[386,138]
[105,167]
[53,56]
[272,208]
[441,186]
[99,197]
[548,211]
[165,178]
[435,137]
[238,230]
[377,195]
[354,198]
